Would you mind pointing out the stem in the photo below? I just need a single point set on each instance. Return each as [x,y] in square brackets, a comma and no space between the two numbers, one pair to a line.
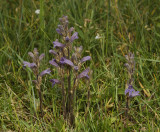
[88,98]
[40,97]
[127,107]
[72,91]
[74,86]
[38,87]
[69,87]
[63,98]
[69,94]
[126,112]
[88,103]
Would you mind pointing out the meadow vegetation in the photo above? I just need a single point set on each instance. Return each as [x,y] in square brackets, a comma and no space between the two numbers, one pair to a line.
[108,30]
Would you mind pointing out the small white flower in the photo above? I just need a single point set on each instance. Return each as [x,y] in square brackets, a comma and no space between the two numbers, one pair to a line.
[98,37]
[37,11]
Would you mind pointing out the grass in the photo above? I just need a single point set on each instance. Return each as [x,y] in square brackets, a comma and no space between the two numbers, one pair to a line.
[124,25]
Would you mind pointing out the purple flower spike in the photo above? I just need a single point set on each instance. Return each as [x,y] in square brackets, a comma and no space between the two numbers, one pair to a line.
[74,36]
[53,52]
[41,56]
[66,61]
[52,62]
[58,44]
[84,74]
[30,65]
[55,81]
[47,71]
[85,59]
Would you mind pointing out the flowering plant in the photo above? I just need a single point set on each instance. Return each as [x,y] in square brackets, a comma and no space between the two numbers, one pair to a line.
[68,61]
[130,91]
[130,68]
[35,66]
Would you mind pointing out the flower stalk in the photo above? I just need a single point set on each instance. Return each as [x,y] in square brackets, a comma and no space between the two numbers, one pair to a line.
[130,91]
[35,66]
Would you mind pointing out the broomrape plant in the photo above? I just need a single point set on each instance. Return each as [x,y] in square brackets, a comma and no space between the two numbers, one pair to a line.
[130,91]
[35,66]
[68,61]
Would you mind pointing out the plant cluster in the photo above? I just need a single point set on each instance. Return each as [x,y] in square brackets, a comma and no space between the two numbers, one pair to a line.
[68,62]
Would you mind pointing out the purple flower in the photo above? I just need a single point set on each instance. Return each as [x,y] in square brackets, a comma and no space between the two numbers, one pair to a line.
[34,55]
[131,92]
[70,30]
[63,19]
[130,62]
[31,54]
[60,27]
[35,51]
[78,49]
[126,65]
[64,22]
[30,65]
[77,54]
[47,71]
[58,44]
[67,38]
[84,74]
[129,56]
[53,62]
[74,36]
[55,81]
[135,93]
[76,68]
[53,52]
[66,61]
[41,56]
[34,81]
[59,31]
[85,59]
